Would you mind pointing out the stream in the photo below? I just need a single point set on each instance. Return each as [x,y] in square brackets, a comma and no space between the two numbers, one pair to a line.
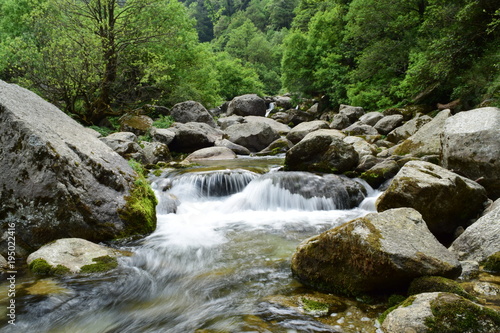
[212,266]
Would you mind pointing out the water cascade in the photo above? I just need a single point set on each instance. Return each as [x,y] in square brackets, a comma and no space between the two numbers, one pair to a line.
[222,246]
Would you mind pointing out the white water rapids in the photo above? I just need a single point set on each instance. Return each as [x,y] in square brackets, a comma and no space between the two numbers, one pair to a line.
[207,266]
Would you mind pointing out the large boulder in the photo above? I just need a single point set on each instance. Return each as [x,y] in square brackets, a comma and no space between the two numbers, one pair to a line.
[211,153]
[427,140]
[57,180]
[471,147]
[481,239]
[162,135]
[371,118]
[322,151]
[71,255]
[408,129]
[388,123]
[191,111]
[445,199]
[193,136]
[253,135]
[137,124]
[352,112]
[301,130]
[154,152]
[247,105]
[377,253]
[441,312]
[360,128]
[238,149]
[282,129]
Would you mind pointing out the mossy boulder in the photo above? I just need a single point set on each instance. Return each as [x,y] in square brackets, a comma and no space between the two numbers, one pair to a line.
[380,252]
[58,181]
[301,130]
[445,199]
[322,151]
[441,313]
[72,256]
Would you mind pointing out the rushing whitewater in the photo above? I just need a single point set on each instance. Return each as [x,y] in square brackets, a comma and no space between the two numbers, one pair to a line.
[223,243]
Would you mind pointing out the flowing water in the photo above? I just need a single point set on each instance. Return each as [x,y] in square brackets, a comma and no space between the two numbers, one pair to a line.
[223,246]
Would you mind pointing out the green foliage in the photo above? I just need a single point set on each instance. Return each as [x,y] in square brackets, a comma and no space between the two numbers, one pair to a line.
[104,131]
[102,264]
[164,122]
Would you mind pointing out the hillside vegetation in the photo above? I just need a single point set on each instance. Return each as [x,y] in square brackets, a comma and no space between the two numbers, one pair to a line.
[97,58]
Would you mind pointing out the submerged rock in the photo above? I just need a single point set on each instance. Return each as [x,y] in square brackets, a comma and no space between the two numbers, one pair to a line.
[57,180]
[441,312]
[376,253]
[445,199]
[471,147]
[72,255]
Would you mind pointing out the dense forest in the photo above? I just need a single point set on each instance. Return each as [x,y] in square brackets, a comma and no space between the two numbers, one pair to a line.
[95,58]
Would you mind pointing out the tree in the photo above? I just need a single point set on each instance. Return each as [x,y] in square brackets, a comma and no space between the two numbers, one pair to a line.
[99,57]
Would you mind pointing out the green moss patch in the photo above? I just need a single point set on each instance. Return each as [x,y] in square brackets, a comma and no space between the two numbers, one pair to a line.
[41,267]
[407,302]
[456,314]
[140,209]
[492,264]
[102,264]
[427,284]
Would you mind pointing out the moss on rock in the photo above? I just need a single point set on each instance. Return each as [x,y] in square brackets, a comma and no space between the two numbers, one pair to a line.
[426,284]
[492,264]
[41,267]
[102,264]
[456,314]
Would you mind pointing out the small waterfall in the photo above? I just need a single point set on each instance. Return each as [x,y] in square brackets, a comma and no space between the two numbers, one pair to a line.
[271,108]
[219,183]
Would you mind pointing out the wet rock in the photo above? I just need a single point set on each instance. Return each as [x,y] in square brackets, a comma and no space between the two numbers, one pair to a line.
[137,124]
[191,111]
[408,129]
[376,253]
[71,255]
[211,153]
[255,135]
[471,147]
[247,105]
[154,152]
[238,149]
[427,140]
[371,118]
[441,312]
[193,136]
[301,130]
[60,181]
[345,192]
[322,151]
[445,199]
[480,240]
